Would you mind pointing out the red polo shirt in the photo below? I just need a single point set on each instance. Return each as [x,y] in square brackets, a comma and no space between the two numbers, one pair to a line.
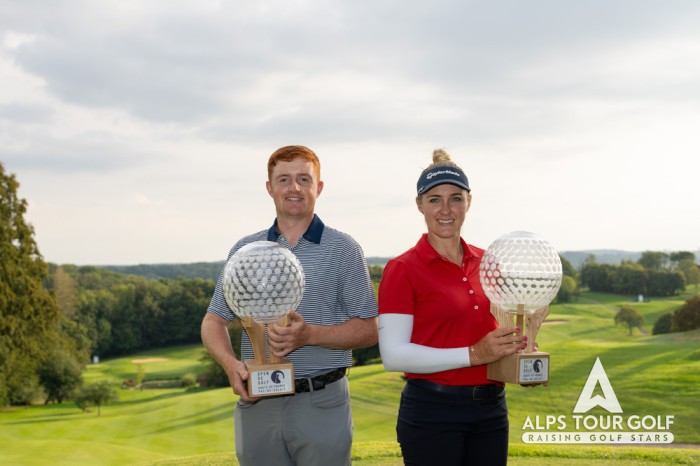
[449,307]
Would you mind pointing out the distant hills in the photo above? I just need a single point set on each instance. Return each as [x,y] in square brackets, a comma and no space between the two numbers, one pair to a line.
[211,270]
[602,256]
[206,270]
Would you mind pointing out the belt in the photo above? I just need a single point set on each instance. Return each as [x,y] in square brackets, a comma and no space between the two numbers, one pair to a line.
[311,384]
[475,392]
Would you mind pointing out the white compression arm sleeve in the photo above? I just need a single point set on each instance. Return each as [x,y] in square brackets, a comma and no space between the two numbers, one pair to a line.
[400,355]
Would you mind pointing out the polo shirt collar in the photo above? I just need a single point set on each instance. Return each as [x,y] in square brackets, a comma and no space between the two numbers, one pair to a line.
[313,232]
[428,253]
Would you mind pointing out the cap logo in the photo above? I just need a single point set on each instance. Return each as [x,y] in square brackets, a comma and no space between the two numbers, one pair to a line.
[441,172]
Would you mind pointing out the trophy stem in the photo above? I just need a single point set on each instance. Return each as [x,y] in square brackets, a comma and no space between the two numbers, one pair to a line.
[256,333]
[534,322]
[520,319]
[283,322]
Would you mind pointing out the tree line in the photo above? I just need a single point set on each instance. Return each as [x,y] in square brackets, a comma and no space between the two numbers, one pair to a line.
[654,274]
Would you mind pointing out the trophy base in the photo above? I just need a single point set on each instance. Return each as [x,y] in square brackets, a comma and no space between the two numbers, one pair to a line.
[270,379]
[522,368]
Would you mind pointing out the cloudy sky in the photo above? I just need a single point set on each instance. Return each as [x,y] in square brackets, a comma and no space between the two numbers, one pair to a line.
[139,130]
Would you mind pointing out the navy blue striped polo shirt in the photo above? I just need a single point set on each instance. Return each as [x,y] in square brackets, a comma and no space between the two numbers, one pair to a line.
[337,288]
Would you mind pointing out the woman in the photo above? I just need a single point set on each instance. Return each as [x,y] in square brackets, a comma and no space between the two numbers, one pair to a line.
[435,325]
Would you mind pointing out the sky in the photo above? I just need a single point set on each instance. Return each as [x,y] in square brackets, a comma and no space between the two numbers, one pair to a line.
[139,130]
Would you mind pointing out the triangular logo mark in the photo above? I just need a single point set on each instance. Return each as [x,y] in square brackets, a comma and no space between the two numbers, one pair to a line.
[587,401]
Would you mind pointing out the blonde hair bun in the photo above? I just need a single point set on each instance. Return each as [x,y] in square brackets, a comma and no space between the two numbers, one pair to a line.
[440,155]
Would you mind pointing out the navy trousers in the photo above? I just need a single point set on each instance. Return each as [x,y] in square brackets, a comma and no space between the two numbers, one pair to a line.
[437,427]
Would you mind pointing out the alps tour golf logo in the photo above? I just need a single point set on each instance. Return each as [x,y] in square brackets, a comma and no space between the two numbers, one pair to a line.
[611,428]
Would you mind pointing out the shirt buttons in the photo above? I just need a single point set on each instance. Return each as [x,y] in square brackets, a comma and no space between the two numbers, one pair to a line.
[471,291]
[464,279]
[476,307]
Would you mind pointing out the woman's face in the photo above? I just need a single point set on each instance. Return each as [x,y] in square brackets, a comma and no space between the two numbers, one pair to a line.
[444,208]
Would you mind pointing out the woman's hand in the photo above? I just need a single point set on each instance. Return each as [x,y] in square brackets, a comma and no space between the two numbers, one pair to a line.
[497,344]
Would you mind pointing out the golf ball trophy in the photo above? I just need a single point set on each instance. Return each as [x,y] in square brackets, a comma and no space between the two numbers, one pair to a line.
[262,282]
[521,273]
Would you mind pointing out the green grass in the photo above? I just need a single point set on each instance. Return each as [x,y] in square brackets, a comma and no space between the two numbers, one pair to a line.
[655,375]
[177,362]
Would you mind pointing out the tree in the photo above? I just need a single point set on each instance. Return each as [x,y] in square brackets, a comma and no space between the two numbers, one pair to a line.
[687,317]
[679,256]
[567,268]
[663,324]
[65,292]
[630,317]
[598,277]
[654,260]
[690,271]
[98,393]
[665,283]
[375,272]
[184,300]
[629,278]
[28,312]
[60,375]
[567,290]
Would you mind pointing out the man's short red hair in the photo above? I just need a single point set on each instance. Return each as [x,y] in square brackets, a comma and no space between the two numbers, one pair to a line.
[289,153]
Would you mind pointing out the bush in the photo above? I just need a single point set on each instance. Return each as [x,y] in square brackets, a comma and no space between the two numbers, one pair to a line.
[663,324]
[4,399]
[97,394]
[362,356]
[214,376]
[687,317]
[165,383]
[189,380]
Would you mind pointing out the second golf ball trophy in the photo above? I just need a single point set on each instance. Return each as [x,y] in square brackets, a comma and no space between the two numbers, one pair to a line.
[262,282]
[521,274]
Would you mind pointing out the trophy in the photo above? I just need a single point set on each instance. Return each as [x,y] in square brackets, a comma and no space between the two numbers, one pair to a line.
[262,282]
[521,273]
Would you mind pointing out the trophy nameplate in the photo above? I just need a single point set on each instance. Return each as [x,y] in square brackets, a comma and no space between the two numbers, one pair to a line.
[521,274]
[262,282]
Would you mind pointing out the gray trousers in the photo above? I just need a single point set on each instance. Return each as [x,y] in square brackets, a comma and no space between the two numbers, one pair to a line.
[307,429]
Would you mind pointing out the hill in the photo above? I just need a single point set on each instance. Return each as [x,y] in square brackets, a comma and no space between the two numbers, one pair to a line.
[205,270]
[211,270]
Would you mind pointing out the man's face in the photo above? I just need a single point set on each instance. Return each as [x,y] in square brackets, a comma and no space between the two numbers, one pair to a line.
[294,188]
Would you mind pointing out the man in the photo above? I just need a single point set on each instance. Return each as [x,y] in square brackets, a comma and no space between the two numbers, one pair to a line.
[337,313]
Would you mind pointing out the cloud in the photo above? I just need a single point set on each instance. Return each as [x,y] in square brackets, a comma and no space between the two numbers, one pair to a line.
[569,106]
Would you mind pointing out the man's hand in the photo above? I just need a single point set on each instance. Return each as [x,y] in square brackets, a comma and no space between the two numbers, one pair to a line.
[284,340]
[237,377]
[217,341]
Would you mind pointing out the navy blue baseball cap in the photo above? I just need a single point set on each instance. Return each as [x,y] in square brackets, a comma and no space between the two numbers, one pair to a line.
[442,175]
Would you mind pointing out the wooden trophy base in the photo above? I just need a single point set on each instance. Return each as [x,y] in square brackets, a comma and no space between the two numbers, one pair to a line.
[266,377]
[270,378]
[522,368]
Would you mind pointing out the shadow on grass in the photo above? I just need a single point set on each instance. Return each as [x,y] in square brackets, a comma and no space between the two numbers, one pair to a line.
[149,399]
[218,413]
